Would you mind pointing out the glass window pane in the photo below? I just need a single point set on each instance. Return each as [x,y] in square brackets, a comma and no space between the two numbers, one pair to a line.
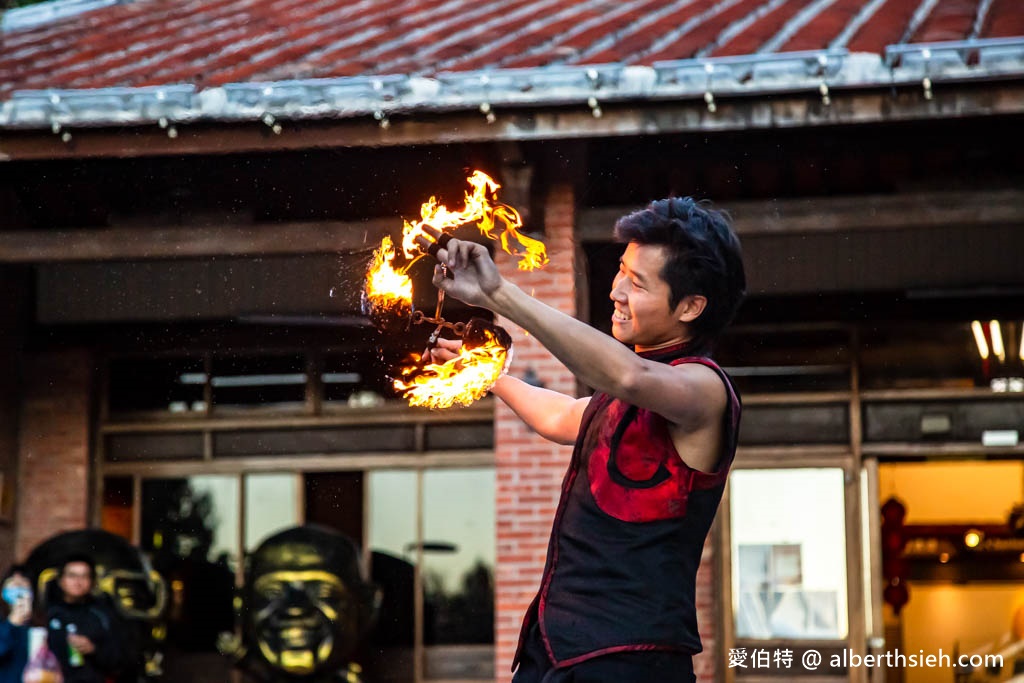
[246,382]
[786,361]
[222,492]
[271,504]
[458,573]
[391,529]
[191,517]
[789,553]
[357,377]
[392,524]
[173,384]
[190,528]
[118,504]
[923,354]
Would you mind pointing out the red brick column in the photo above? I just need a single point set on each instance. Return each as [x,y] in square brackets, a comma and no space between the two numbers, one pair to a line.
[14,282]
[53,473]
[705,665]
[529,468]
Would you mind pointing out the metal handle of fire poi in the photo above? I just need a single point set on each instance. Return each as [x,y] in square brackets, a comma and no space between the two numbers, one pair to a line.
[471,332]
[441,240]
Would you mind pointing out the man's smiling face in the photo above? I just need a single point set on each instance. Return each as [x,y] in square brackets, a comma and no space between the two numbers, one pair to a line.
[642,316]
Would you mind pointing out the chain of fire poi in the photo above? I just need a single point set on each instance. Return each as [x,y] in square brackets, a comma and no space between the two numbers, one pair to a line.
[387,297]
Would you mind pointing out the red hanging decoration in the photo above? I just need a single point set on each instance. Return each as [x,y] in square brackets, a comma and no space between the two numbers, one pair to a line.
[894,566]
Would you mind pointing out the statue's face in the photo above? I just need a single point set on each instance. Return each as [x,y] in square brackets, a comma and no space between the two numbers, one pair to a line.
[300,616]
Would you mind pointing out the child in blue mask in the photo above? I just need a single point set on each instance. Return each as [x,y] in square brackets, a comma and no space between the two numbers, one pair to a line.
[17,599]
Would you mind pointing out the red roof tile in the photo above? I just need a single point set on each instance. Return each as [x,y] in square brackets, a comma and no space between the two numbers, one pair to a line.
[887,26]
[213,42]
[758,29]
[1004,20]
[824,27]
[953,21]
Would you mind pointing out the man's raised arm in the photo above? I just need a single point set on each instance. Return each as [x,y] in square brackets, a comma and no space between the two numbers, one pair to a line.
[678,393]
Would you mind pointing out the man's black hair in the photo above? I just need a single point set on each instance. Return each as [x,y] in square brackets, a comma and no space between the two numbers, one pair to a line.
[16,569]
[79,557]
[703,257]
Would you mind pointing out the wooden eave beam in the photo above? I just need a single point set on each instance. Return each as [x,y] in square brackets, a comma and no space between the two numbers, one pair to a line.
[751,218]
[844,214]
[128,244]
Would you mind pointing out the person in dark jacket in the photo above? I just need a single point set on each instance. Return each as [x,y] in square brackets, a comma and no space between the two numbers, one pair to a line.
[17,598]
[82,629]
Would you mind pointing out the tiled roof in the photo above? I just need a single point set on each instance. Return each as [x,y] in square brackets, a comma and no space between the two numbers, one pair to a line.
[213,42]
[207,44]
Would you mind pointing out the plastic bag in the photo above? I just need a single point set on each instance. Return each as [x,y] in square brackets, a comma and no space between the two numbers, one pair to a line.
[42,666]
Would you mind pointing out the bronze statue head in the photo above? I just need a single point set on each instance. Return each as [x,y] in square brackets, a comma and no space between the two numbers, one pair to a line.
[306,602]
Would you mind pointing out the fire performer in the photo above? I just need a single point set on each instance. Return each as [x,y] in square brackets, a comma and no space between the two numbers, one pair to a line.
[653,445]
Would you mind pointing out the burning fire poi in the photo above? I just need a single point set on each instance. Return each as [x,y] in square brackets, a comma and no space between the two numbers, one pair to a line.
[461,380]
[388,296]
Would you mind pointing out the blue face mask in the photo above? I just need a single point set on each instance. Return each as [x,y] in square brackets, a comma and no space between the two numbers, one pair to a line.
[11,594]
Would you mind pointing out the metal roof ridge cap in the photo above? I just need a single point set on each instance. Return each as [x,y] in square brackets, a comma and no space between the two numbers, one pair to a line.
[954,44]
[754,58]
[71,93]
[959,57]
[57,107]
[321,81]
[548,68]
[965,44]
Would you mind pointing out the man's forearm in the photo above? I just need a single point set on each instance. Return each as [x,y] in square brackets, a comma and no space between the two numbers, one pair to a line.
[596,359]
[553,415]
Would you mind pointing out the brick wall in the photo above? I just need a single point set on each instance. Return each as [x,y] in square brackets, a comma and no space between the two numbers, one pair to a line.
[530,469]
[705,664]
[14,282]
[53,475]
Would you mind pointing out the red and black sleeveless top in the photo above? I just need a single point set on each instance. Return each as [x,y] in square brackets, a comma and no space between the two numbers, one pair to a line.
[628,533]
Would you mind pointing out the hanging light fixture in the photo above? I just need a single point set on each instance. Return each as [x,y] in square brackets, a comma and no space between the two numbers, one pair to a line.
[1002,362]
[991,340]
[997,340]
[979,339]
[973,538]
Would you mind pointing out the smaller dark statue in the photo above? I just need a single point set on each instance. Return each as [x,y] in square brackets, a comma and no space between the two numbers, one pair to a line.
[305,607]
[124,576]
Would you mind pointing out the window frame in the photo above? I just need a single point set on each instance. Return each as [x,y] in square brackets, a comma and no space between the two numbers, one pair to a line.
[316,412]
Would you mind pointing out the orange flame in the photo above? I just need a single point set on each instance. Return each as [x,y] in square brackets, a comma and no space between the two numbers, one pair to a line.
[459,381]
[387,288]
[481,209]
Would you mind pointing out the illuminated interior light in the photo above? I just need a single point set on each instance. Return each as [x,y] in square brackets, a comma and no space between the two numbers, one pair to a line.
[979,338]
[341,378]
[972,538]
[276,380]
[1020,347]
[944,558]
[997,340]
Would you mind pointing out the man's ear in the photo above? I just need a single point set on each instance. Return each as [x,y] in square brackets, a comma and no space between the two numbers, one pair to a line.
[690,307]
